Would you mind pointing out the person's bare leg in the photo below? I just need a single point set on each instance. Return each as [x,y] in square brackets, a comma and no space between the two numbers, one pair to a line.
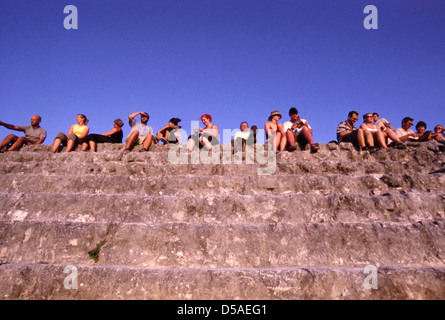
[70,145]
[307,135]
[205,143]
[392,135]
[361,138]
[190,144]
[283,142]
[381,139]
[84,146]
[290,138]
[56,145]
[17,144]
[131,140]
[147,142]
[369,139]
[10,139]
[92,146]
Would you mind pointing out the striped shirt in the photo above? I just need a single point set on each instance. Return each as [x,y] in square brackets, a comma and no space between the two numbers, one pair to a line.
[344,126]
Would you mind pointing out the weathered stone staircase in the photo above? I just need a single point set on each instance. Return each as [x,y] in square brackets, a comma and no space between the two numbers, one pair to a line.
[221,231]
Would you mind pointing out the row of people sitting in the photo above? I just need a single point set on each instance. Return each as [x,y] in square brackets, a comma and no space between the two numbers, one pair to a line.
[380,131]
[374,131]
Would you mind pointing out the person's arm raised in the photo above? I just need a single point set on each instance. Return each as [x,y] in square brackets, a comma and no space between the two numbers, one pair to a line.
[10,126]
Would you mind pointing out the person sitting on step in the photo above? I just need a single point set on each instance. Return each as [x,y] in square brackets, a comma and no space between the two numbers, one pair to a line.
[141,133]
[34,135]
[381,123]
[170,133]
[422,134]
[372,133]
[115,135]
[348,132]
[298,131]
[205,137]
[244,137]
[404,133]
[275,131]
[438,134]
[76,135]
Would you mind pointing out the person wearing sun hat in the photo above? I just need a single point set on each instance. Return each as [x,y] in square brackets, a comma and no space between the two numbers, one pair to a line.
[275,131]
[275,113]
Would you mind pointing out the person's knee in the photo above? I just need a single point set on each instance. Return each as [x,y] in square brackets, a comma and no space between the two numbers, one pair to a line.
[148,138]
[135,133]
[72,137]
[20,140]
[12,137]
[60,136]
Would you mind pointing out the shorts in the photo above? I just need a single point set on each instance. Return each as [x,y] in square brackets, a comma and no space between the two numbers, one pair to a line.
[140,140]
[350,137]
[64,139]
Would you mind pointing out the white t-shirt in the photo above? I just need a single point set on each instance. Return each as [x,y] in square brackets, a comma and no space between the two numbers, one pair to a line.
[288,125]
[402,132]
[243,134]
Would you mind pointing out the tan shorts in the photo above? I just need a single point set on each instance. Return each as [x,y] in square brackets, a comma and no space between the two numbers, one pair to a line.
[140,140]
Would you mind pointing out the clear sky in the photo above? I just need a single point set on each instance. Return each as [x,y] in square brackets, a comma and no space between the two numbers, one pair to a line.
[237,60]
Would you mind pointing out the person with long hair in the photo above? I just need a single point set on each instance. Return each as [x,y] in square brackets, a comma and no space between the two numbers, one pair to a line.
[76,135]
[275,131]
[372,132]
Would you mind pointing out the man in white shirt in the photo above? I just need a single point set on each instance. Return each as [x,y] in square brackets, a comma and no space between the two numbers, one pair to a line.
[405,133]
[245,136]
[298,131]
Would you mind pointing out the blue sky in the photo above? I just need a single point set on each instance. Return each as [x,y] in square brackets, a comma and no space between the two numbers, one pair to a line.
[237,60]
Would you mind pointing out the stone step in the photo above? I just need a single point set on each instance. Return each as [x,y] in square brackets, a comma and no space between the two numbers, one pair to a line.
[212,185]
[394,206]
[130,169]
[409,156]
[54,282]
[210,245]
[154,165]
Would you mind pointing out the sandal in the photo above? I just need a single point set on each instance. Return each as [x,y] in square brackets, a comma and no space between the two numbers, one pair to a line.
[314,147]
